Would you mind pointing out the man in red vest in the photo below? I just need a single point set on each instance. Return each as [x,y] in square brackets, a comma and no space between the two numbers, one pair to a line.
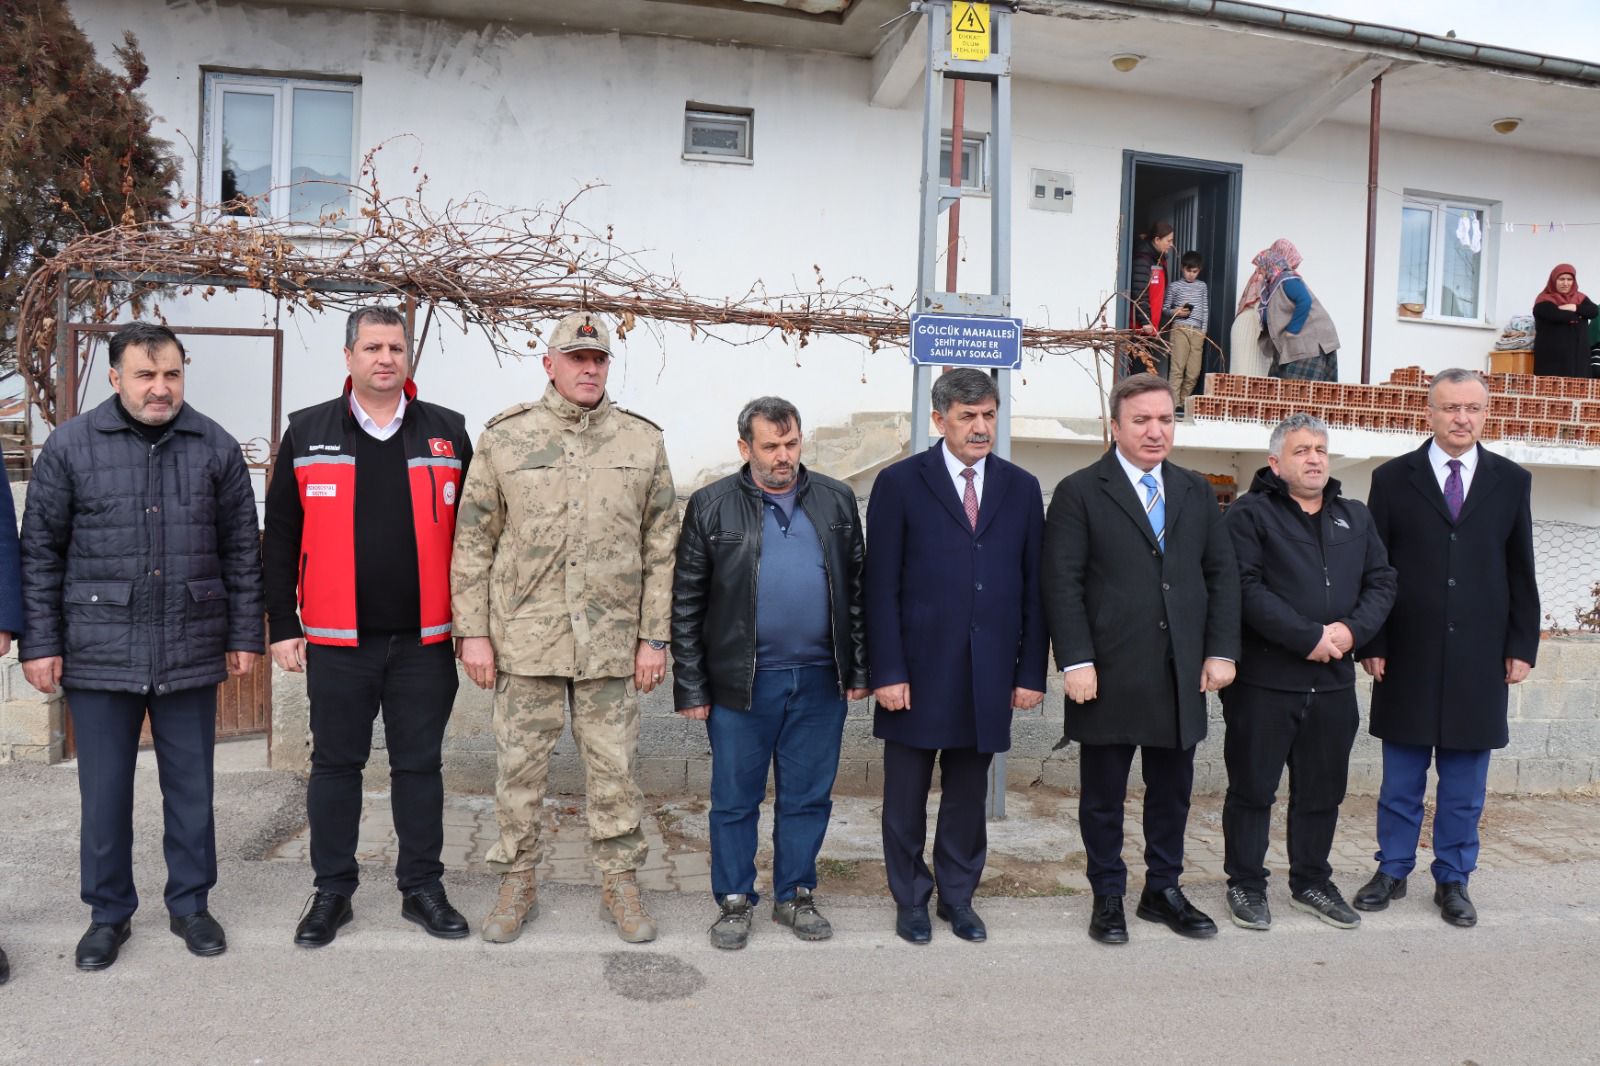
[361,514]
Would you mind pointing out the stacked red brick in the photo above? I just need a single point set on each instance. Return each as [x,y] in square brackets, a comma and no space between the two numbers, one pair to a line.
[1521,407]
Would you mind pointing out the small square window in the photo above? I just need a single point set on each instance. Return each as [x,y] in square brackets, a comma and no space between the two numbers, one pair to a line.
[974,161]
[722,135]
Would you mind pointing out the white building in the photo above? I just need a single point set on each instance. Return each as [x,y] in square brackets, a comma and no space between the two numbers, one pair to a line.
[1256,117]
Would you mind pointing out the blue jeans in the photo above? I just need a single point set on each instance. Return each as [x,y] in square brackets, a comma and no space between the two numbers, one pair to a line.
[794,725]
[1458,803]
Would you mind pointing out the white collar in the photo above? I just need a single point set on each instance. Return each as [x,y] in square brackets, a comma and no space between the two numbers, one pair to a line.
[1439,458]
[1135,475]
[368,423]
[955,466]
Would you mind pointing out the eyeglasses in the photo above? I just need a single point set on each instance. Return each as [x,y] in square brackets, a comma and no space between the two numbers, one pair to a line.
[1460,408]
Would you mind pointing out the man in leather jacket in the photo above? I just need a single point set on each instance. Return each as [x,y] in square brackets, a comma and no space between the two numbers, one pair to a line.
[768,643]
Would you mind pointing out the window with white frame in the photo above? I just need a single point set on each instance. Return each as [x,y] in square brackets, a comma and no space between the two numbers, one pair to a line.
[1445,258]
[280,147]
[720,134]
[974,161]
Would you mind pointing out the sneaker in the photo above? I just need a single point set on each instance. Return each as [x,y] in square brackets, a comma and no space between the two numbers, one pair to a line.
[517,904]
[1325,902]
[732,927]
[801,915]
[621,904]
[1248,908]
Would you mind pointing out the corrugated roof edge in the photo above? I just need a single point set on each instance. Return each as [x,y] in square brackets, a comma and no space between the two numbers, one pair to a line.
[1347,31]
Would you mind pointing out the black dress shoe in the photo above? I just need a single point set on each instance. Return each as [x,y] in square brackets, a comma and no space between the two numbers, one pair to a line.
[1455,906]
[97,950]
[325,914]
[1107,923]
[201,933]
[430,908]
[1169,907]
[911,924]
[1376,893]
[964,921]
[5,967]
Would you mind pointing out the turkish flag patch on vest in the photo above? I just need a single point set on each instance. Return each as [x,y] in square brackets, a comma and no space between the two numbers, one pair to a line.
[441,446]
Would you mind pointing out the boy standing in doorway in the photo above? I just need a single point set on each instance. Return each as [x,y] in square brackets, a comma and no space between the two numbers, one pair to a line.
[1187,306]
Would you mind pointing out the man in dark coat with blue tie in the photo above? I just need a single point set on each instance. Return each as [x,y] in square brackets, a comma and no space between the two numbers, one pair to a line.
[955,639]
[1458,524]
[1142,591]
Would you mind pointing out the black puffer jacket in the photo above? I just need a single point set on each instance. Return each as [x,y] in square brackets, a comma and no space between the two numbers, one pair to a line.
[141,564]
[714,587]
[1293,582]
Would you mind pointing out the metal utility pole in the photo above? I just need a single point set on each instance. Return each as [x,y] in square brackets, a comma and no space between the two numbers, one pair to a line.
[967,42]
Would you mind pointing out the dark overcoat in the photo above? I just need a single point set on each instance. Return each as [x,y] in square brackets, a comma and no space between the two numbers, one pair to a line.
[955,612]
[1147,619]
[1466,601]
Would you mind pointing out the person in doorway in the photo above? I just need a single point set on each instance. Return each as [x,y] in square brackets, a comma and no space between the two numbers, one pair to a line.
[1457,520]
[955,640]
[563,595]
[1297,336]
[1188,308]
[1315,581]
[1561,319]
[361,514]
[1142,593]
[1147,278]
[768,642]
[141,577]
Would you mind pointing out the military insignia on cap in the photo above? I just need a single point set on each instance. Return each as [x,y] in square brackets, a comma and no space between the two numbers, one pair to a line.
[587,330]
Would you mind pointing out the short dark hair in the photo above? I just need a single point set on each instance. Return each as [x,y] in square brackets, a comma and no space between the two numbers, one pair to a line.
[377,314]
[1192,259]
[774,409]
[1136,385]
[146,335]
[966,385]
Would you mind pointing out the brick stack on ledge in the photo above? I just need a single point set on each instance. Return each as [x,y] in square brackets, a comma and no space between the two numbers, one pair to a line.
[1540,410]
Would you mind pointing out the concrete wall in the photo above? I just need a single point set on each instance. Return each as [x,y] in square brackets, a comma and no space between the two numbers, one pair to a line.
[1555,739]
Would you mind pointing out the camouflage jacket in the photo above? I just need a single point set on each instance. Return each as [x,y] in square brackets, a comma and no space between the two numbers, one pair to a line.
[564,539]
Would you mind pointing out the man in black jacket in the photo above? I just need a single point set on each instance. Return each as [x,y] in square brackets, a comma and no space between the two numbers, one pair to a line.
[768,642]
[142,591]
[1315,582]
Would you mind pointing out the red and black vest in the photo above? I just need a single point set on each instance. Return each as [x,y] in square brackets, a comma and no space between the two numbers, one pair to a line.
[436,448]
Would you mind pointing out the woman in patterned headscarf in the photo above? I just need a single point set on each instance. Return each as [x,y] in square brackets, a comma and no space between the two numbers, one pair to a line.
[1297,336]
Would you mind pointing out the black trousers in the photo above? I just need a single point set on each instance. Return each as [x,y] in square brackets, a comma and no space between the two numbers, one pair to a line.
[961,838]
[1103,787]
[106,726]
[1313,733]
[414,685]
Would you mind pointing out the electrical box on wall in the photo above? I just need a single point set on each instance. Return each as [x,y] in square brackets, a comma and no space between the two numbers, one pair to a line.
[1050,190]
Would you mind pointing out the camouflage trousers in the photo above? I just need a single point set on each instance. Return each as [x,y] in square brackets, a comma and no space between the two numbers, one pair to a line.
[529,713]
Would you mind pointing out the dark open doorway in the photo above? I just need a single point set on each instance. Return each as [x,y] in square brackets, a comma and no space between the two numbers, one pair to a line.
[1200,198]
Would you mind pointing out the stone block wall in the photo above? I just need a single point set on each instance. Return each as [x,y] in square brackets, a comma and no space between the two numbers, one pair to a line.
[30,723]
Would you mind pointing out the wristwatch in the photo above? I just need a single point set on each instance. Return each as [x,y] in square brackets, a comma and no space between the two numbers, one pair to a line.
[656,645]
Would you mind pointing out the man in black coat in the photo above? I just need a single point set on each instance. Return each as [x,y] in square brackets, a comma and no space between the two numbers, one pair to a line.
[1315,582]
[142,591]
[10,609]
[1142,594]
[1458,523]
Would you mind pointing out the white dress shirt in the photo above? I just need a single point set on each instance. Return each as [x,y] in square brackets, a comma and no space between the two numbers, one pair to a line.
[952,464]
[1439,459]
[365,421]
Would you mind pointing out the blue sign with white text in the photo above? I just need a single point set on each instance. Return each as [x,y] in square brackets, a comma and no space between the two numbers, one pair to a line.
[966,340]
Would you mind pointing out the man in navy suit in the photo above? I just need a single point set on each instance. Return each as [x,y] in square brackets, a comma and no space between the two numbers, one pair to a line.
[955,639]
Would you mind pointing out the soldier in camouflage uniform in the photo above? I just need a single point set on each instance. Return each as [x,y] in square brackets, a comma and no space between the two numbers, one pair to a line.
[562,588]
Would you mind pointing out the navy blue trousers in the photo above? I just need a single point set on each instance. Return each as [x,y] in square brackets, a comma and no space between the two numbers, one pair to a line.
[106,726]
[1458,804]
[961,838]
[1103,776]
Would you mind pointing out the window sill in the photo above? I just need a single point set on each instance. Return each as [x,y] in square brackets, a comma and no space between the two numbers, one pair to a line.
[735,160]
[1461,323]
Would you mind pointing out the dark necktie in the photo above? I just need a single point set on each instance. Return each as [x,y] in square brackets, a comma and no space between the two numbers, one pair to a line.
[969,498]
[1453,494]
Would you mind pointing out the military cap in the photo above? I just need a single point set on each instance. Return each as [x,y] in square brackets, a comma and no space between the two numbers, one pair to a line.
[581,331]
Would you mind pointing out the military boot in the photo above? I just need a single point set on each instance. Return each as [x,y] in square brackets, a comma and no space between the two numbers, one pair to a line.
[517,904]
[621,904]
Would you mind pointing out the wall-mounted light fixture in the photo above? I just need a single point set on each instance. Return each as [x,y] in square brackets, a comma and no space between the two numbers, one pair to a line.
[1125,61]
[1506,125]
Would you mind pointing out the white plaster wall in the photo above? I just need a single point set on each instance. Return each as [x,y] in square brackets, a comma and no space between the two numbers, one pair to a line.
[526,116]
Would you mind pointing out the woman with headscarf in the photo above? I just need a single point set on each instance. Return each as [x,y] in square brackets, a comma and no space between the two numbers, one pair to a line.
[1561,316]
[1296,333]
[1244,349]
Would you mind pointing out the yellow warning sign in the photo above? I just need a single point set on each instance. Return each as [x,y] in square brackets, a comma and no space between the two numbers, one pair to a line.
[969,31]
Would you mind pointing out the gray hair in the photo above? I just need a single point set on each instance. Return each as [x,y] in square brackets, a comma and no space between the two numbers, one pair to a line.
[775,409]
[378,315]
[1456,376]
[1294,423]
[964,385]
[1136,385]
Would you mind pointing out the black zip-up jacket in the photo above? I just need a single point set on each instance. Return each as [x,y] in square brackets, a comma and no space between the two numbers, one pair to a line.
[714,587]
[1293,583]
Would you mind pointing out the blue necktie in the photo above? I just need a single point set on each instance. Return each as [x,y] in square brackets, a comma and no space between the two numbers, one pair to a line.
[1155,509]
